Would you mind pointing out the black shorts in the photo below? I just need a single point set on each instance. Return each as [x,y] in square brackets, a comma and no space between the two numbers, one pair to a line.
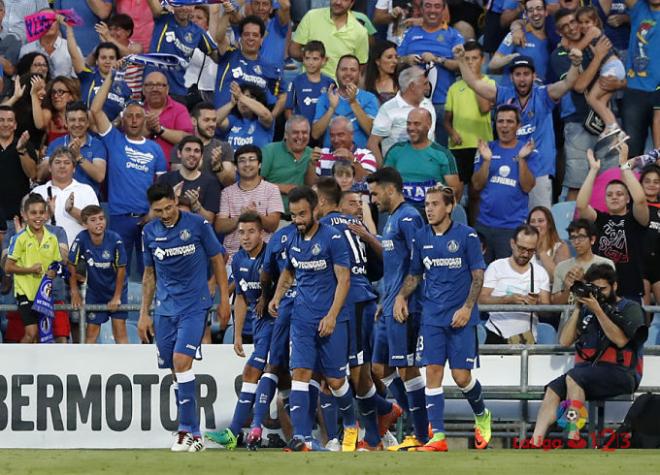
[465,163]
[598,382]
[28,316]
[652,268]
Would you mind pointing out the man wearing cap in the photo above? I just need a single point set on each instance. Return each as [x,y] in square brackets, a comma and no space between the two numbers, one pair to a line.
[535,103]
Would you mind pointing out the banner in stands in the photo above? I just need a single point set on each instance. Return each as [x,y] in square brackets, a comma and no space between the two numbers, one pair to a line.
[113,396]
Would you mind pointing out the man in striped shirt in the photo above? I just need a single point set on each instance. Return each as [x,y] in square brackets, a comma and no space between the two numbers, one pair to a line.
[343,148]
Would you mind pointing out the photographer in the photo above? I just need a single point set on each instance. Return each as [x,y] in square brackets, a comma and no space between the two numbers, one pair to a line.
[608,332]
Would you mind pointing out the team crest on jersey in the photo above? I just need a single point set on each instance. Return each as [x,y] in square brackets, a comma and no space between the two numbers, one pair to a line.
[184,235]
[452,246]
[284,239]
[106,254]
[316,249]
[505,170]
[251,129]
[257,69]
[188,37]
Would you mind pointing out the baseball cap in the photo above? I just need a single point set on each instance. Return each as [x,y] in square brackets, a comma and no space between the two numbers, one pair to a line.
[522,61]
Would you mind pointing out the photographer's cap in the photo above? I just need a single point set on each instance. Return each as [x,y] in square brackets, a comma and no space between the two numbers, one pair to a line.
[522,62]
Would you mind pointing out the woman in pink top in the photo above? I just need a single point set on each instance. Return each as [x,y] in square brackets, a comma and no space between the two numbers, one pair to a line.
[140,12]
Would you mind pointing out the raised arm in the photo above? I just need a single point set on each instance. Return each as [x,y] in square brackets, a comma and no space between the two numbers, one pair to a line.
[480,86]
[77,59]
[603,46]
[156,8]
[559,88]
[102,122]
[584,195]
[640,207]
[100,8]
[480,177]
[526,177]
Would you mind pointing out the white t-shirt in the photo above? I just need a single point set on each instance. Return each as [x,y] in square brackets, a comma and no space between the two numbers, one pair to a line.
[504,280]
[83,195]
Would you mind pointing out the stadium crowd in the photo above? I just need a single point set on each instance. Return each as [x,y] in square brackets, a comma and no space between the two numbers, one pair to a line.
[541,119]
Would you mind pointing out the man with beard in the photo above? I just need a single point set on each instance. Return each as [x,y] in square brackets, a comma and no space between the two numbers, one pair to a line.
[515,280]
[608,332]
[199,187]
[217,156]
[536,104]
[133,164]
[536,44]
[348,100]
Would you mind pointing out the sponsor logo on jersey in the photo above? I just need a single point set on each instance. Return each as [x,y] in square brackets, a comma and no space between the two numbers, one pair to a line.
[450,262]
[388,244]
[245,285]
[320,264]
[137,160]
[187,250]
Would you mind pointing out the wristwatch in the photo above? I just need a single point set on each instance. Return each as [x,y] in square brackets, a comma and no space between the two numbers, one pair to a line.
[160,132]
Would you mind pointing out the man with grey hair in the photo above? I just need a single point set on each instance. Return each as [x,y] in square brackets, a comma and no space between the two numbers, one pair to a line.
[342,147]
[285,163]
[65,196]
[16,11]
[390,123]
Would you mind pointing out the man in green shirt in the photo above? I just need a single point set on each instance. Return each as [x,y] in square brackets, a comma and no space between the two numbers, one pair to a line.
[421,162]
[286,163]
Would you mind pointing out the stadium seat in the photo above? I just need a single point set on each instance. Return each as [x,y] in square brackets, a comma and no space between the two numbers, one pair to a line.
[481,334]
[546,334]
[563,213]
[105,335]
[229,336]
[458,215]
[134,298]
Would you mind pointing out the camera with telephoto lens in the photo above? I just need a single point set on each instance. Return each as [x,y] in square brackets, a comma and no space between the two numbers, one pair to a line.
[585,289]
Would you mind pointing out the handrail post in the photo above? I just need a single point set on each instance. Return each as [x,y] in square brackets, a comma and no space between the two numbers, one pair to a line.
[82,326]
[524,380]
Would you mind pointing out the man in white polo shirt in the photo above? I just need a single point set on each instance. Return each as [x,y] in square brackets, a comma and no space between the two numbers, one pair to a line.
[390,123]
[66,196]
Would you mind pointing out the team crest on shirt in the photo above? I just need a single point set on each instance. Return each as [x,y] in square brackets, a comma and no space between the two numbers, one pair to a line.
[188,37]
[452,246]
[106,254]
[505,170]
[284,239]
[440,37]
[251,129]
[316,249]
[257,69]
[184,235]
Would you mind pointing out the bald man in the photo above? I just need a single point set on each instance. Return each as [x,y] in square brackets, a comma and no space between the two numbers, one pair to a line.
[422,162]
[167,121]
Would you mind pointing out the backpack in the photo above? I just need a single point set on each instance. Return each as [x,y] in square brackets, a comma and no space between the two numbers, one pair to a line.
[642,423]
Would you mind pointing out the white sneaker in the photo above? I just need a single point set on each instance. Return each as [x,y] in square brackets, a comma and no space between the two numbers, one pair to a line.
[609,131]
[182,442]
[333,445]
[197,445]
[389,440]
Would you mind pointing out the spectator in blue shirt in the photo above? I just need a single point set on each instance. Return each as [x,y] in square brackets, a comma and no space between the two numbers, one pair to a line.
[536,104]
[504,179]
[348,100]
[278,22]
[91,12]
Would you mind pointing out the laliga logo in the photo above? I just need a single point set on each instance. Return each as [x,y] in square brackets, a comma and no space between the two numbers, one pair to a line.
[571,415]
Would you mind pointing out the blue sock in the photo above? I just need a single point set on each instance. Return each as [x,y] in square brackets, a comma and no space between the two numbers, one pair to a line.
[187,405]
[383,406]
[265,392]
[243,407]
[330,416]
[299,407]
[284,395]
[314,390]
[367,408]
[435,408]
[472,393]
[417,404]
[344,398]
[398,390]
[175,386]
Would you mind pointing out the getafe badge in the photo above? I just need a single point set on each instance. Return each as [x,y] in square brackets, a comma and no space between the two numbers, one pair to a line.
[316,249]
[184,235]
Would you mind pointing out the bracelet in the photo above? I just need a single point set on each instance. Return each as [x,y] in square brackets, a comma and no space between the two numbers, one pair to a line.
[626,166]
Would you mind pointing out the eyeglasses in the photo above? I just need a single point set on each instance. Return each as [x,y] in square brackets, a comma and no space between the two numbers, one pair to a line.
[60,92]
[39,65]
[524,250]
[567,24]
[244,160]
[578,237]
[154,85]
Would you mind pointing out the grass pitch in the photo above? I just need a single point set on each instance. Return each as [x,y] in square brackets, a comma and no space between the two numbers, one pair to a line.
[268,462]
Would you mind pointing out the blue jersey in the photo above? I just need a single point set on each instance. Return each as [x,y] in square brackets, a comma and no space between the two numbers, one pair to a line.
[367,101]
[446,261]
[120,93]
[273,47]
[132,168]
[303,94]
[92,150]
[244,131]
[643,72]
[417,40]
[397,239]
[361,290]
[180,257]
[535,47]
[101,263]
[312,261]
[503,203]
[86,36]
[171,38]
[275,260]
[536,123]
[246,271]
[233,66]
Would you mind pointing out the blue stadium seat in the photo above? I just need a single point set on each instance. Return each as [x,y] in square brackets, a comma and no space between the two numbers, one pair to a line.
[563,213]
[481,334]
[458,215]
[229,336]
[134,298]
[105,335]
[546,334]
